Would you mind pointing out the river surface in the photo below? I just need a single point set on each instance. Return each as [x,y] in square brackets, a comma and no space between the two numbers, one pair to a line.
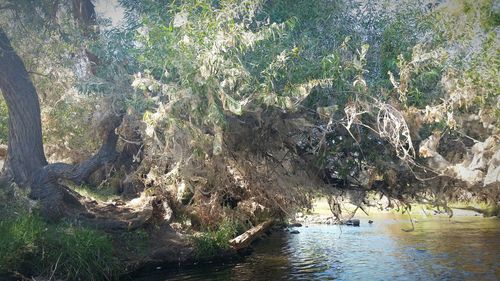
[461,248]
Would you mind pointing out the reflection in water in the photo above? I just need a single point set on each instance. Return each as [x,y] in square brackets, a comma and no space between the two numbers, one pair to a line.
[438,249]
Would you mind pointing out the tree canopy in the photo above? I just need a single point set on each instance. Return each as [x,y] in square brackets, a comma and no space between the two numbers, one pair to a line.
[215,104]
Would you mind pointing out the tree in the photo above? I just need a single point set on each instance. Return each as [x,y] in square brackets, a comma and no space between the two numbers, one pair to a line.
[26,164]
[209,75]
[25,153]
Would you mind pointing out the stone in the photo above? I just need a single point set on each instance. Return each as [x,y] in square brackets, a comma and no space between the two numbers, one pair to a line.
[352,222]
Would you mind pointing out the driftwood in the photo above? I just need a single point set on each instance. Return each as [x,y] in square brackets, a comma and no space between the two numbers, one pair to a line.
[245,239]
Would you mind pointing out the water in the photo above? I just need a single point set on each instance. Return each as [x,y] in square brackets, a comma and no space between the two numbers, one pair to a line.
[466,248]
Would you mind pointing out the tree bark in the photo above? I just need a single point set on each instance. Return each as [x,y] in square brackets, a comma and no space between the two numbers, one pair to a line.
[245,239]
[26,164]
[25,154]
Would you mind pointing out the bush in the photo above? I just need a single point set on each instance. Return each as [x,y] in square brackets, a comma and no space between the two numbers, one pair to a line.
[211,243]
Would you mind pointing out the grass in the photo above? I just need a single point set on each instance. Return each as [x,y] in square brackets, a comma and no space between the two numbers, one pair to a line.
[18,240]
[102,194]
[30,245]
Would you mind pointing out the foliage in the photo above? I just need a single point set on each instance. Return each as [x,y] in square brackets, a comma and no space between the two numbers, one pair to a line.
[210,243]
[359,110]
[211,62]
[101,193]
[64,250]
[269,102]
[48,43]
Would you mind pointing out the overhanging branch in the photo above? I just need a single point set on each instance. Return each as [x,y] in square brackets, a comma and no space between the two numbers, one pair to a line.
[79,173]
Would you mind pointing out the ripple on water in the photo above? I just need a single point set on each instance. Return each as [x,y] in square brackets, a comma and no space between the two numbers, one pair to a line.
[461,249]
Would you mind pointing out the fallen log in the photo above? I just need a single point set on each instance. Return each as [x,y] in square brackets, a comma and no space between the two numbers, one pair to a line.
[244,240]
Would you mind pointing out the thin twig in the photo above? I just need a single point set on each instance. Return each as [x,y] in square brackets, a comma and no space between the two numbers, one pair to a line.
[411,220]
[55,267]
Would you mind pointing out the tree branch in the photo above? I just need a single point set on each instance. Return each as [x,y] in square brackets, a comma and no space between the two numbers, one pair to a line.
[79,173]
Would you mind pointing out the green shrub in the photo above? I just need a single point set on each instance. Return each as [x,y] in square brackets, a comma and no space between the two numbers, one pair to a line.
[211,243]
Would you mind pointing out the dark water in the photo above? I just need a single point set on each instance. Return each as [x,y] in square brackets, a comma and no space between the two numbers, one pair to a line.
[466,248]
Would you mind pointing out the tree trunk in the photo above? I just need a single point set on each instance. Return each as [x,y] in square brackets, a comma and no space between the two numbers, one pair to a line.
[25,155]
[26,164]
[79,173]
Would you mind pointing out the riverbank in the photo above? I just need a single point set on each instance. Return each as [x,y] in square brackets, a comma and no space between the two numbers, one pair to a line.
[321,214]
[154,247]
[118,255]
[31,247]
[195,249]
[460,248]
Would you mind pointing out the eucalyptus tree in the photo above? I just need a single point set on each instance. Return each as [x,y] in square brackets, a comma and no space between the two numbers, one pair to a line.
[26,164]
[265,100]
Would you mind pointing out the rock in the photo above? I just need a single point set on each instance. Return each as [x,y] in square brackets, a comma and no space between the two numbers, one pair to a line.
[370,221]
[352,222]
[295,224]
[294,232]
